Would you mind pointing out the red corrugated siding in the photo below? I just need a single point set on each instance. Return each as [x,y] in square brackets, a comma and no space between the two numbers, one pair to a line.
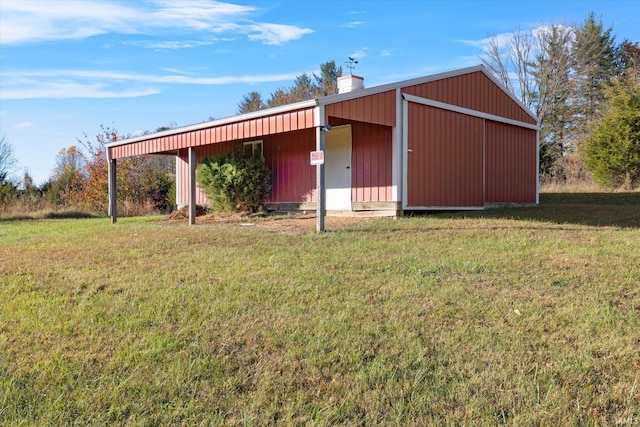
[445,158]
[255,128]
[286,155]
[474,91]
[379,108]
[511,175]
[371,161]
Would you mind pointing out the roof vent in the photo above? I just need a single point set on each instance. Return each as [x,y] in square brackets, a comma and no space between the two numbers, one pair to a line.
[350,83]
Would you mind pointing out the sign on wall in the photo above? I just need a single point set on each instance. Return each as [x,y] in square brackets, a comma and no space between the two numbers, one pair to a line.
[317,157]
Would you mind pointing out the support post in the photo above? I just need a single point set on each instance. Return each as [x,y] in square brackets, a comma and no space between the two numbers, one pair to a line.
[192,185]
[113,199]
[320,184]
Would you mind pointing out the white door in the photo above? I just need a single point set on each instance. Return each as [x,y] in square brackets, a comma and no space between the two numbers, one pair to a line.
[337,161]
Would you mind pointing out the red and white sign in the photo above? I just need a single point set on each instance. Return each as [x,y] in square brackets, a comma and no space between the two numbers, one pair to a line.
[317,157]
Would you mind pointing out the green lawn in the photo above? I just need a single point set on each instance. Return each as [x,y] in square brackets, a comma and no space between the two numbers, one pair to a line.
[523,316]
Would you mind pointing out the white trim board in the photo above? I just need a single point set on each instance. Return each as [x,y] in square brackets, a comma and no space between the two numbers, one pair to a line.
[468,111]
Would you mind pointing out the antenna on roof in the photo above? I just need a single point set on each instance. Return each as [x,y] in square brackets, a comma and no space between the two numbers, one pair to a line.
[351,64]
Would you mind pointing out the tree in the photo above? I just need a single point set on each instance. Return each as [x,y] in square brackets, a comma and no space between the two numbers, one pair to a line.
[612,150]
[629,56]
[69,176]
[513,58]
[551,70]
[7,161]
[327,81]
[250,102]
[140,180]
[595,66]
[281,96]
[304,88]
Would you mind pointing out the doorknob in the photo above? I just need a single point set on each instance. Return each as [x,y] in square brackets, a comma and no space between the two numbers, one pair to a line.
[348,167]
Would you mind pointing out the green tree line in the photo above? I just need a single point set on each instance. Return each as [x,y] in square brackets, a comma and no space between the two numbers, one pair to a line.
[79,182]
[304,87]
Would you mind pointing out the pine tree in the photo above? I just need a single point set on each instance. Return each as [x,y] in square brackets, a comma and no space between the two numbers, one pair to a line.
[595,66]
[612,150]
[327,81]
[250,102]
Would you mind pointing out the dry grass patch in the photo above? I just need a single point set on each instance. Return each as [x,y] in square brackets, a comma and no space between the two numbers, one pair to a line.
[514,316]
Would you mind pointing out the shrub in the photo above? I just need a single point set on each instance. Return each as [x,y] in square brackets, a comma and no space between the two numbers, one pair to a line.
[235,181]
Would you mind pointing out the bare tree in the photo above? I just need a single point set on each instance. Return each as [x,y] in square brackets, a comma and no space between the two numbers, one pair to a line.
[7,161]
[554,88]
[515,57]
[495,61]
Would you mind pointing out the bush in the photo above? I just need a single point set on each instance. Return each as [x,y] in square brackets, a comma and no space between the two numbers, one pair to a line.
[235,182]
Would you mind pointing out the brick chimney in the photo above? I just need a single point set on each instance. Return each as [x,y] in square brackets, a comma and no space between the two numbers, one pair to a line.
[350,83]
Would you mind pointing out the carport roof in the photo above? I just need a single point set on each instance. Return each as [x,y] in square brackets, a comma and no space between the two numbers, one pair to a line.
[327,100]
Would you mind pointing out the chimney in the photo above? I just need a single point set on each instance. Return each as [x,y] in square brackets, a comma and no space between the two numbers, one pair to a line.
[350,83]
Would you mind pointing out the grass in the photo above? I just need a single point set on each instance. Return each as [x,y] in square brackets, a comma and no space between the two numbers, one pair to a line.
[522,316]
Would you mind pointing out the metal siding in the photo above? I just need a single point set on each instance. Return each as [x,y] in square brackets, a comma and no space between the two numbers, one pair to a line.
[444,166]
[474,91]
[287,156]
[377,108]
[510,164]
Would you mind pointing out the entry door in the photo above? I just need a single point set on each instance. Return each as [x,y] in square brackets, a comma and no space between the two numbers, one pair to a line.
[337,147]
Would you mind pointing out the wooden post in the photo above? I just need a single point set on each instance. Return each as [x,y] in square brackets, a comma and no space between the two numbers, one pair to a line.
[113,199]
[192,185]
[320,185]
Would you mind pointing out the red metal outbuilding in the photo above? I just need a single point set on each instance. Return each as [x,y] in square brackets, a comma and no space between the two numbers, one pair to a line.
[456,140]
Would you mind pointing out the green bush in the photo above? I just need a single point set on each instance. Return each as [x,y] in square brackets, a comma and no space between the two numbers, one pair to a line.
[235,182]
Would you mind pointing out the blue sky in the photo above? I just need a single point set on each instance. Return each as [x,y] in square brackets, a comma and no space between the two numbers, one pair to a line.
[66,67]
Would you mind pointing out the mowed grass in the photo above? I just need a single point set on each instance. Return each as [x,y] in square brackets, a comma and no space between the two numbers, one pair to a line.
[523,316]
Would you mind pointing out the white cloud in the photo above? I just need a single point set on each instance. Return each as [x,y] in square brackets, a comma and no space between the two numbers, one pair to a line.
[35,21]
[353,24]
[22,125]
[483,44]
[107,84]
[504,39]
[276,33]
[385,53]
[38,21]
[176,44]
[360,53]
[70,89]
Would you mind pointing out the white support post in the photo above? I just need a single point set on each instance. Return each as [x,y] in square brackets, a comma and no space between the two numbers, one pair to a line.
[320,184]
[113,199]
[192,185]
[538,166]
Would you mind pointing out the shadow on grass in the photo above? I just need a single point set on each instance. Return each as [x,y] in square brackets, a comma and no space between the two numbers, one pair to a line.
[48,215]
[592,209]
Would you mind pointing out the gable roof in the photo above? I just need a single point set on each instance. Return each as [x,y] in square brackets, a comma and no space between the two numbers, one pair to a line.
[327,100]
